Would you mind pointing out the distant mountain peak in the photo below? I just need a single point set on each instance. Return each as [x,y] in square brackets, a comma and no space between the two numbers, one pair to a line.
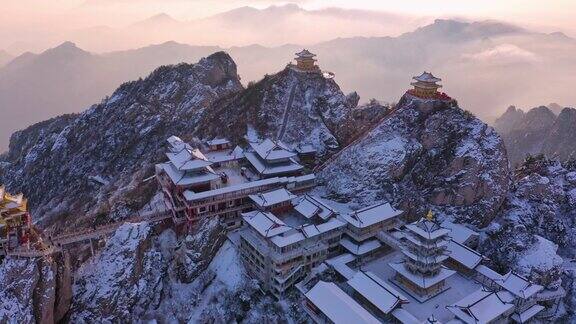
[66,49]
[161,18]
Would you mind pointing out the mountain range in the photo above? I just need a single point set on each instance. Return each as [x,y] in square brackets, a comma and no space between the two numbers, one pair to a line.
[547,130]
[285,24]
[487,65]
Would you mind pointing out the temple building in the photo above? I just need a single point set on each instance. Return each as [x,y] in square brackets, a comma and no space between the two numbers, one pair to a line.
[421,273]
[305,61]
[364,227]
[281,246]
[15,221]
[272,158]
[425,85]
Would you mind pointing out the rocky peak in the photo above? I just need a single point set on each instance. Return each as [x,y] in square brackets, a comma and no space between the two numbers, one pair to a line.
[295,107]
[539,130]
[538,118]
[509,120]
[425,154]
[117,140]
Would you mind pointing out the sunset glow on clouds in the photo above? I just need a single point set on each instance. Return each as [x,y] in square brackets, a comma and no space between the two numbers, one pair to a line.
[35,24]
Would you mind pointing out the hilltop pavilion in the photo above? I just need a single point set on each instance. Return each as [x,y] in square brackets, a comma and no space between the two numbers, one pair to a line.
[305,61]
[425,85]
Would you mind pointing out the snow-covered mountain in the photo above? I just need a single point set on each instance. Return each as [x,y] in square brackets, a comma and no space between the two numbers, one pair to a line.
[421,154]
[295,107]
[486,62]
[427,154]
[117,140]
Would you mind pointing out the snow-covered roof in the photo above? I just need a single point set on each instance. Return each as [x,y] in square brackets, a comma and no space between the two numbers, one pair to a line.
[426,77]
[266,224]
[305,54]
[187,160]
[362,248]
[305,232]
[191,196]
[420,281]
[427,229]
[371,215]
[464,255]
[176,144]
[405,317]
[528,314]
[271,198]
[337,305]
[488,272]
[308,206]
[482,306]
[217,141]
[225,156]
[305,149]
[424,259]
[268,169]
[518,285]
[183,178]
[271,151]
[376,291]
[459,233]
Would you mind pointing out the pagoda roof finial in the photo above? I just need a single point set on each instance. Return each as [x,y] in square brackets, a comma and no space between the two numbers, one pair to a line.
[430,215]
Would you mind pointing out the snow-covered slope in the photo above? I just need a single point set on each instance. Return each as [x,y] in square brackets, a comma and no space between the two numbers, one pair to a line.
[298,108]
[117,140]
[426,154]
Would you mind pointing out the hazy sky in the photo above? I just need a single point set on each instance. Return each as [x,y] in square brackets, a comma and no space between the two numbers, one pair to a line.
[22,22]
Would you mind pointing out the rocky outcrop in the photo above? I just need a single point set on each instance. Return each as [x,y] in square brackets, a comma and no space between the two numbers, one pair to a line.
[118,141]
[426,154]
[34,290]
[298,108]
[140,271]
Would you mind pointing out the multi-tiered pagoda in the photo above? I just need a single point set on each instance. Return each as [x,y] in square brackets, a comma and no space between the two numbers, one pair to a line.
[421,272]
[15,220]
[305,61]
[426,85]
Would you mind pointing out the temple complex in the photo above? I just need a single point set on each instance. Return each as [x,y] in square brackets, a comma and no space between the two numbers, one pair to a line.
[220,181]
[15,221]
[425,85]
[421,272]
[305,61]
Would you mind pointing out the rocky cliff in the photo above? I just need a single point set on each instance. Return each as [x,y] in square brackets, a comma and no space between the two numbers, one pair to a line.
[426,154]
[298,108]
[540,130]
[536,225]
[35,290]
[93,164]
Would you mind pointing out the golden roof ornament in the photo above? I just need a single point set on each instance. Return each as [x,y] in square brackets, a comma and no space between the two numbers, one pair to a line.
[430,215]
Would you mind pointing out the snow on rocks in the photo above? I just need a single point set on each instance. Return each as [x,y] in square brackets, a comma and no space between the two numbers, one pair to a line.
[124,277]
[541,256]
[115,139]
[427,154]
[29,290]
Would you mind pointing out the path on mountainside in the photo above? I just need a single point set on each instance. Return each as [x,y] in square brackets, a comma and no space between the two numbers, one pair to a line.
[287,111]
[357,138]
[55,244]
